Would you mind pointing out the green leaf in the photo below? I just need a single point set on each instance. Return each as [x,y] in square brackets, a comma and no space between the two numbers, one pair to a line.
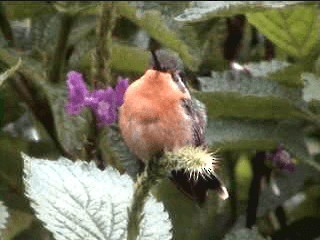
[244,234]
[116,151]
[44,32]
[30,68]
[294,30]
[291,75]
[19,10]
[289,183]
[123,58]
[232,134]
[9,72]
[205,10]
[236,94]
[83,29]
[72,131]
[152,22]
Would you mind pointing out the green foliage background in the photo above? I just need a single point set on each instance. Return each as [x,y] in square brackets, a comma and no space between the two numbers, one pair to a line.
[279,102]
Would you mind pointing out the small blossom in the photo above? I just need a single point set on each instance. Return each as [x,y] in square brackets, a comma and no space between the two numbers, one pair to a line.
[281,159]
[103,102]
[120,89]
[77,92]
[103,105]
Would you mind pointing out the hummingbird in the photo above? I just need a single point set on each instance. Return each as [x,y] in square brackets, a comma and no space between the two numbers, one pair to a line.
[159,114]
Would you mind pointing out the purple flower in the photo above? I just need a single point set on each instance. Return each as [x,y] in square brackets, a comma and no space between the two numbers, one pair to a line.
[77,92]
[103,105]
[120,89]
[103,102]
[281,159]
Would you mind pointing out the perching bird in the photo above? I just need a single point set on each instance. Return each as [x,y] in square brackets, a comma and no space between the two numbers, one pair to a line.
[158,114]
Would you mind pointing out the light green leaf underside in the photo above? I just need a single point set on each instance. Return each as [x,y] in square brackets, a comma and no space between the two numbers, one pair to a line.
[76,201]
[244,234]
[3,216]
[205,10]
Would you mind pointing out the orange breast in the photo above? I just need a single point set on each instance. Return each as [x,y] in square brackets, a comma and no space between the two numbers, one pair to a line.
[152,118]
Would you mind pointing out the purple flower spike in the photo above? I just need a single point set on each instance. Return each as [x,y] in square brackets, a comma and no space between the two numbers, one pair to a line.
[103,102]
[120,89]
[77,92]
[281,159]
[103,105]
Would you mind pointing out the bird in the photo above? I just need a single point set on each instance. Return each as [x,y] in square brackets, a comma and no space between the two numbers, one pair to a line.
[158,114]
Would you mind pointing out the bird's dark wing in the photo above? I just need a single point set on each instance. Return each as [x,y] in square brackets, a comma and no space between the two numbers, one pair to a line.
[197,189]
[199,120]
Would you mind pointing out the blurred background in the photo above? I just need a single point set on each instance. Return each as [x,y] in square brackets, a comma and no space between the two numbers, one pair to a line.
[255,66]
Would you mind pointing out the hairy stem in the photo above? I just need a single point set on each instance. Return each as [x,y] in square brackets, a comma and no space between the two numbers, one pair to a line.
[5,26]
[105,25]
[60,51]
[144,183]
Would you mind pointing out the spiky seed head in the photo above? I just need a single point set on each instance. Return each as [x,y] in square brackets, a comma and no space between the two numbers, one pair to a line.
[195,160]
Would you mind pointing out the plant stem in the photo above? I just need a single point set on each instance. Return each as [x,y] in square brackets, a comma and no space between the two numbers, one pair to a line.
[232,44]
[39,108]
[269,50]
[144,183]
[60,51]
[231,164]
[281,216]
[104,29]
[5,26]
[258,169]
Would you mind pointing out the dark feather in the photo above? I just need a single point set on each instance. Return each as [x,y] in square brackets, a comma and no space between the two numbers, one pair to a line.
[197,189]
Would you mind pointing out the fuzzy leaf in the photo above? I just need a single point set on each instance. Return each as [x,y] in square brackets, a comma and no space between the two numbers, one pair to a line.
[113,145]
[265,68]
[312,87]
[72,131]
[294,30]
[123,58]
[236,94]
[19,10]
[82,30]
[44,30]
[79,201]
[260,135]
[244,234]
[204,10]
[9,72]
[3,216]
[311,91]
[152,22]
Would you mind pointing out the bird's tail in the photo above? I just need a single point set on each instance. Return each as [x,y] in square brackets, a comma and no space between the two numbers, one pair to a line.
[197,189]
